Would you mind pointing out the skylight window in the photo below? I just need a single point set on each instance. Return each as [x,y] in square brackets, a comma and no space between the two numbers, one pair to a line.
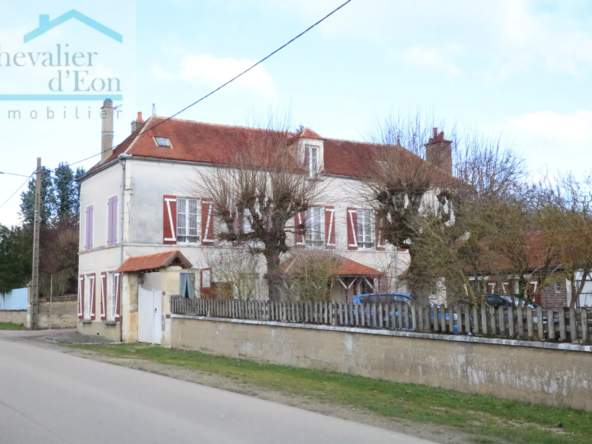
[163,141]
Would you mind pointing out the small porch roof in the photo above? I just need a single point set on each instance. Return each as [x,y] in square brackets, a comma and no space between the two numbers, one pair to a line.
[348,268]
[154,262]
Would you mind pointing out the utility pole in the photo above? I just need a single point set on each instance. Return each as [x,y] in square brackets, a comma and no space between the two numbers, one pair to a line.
[34,296]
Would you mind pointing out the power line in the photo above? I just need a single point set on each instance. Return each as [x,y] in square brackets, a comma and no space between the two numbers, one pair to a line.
[202,98]
[13,174]
[224,84]
[17,190]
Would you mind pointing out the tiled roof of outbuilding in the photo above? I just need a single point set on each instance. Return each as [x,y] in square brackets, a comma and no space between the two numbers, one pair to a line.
[154,262]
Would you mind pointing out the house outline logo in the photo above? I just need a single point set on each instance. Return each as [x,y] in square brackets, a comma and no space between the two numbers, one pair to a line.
[46,25]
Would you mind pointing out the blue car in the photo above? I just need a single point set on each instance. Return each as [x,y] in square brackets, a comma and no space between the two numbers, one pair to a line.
[404,298]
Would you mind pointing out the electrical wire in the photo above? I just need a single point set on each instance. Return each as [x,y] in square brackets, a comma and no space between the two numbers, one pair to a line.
[202,98]
[17,190]
[224,84]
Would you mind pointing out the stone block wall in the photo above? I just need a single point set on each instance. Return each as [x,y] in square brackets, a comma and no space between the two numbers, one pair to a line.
[549,374]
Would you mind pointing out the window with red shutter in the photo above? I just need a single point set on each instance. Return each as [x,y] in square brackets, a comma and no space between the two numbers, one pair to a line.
[103,296]
[207,222]
[92,312]
[169,220]
[380,240]
[300,229]
[330,227]
[81,297]
[352,229]
[117,289]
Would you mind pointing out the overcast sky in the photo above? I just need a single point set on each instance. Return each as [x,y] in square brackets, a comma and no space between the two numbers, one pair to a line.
[522,67]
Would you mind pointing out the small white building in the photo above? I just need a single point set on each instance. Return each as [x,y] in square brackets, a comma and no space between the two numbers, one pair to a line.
[137,201]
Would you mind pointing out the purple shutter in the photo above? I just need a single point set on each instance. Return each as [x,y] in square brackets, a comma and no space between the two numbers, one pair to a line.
[112,222]
[114,206]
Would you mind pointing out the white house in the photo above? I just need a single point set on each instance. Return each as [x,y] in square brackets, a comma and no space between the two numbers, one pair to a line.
[145,236]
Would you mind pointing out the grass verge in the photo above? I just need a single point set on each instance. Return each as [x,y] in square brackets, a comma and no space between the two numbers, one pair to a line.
[9,326]
[489,420]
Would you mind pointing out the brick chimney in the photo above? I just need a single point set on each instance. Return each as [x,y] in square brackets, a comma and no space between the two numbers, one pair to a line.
[137,123]
[439,152]
[107,129]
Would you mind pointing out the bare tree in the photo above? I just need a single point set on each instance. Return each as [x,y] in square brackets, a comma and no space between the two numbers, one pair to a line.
[422,185]
[312,274]
[235,273]
[259,191]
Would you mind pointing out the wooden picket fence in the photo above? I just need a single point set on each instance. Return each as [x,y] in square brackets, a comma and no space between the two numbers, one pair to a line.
[564,324]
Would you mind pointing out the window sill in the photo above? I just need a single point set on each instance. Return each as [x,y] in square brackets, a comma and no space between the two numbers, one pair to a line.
[110,323]
[86,321]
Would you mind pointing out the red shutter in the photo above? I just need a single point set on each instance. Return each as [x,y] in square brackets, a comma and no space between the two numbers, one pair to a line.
[117,278]
[380,241]
[92,302]
[300,229]
[103,296]
[169,220]
[81,297]
[330,227]
[205,283]
[207,222]
[352,229]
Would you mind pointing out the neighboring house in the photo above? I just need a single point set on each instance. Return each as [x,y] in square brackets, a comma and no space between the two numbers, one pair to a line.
[137,203]
[555,295]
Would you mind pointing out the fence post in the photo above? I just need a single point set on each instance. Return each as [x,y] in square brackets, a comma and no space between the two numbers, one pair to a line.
[573,325]
[520,322]
[540,324]
[511,325]
[475,320]
[551,330]
[484,320]
[413,318]
[529,323]
[584,325]
[562,332]
[502,321]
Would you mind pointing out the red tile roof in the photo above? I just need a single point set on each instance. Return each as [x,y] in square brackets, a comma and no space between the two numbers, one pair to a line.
[210,143]
[154,262]
[347,268]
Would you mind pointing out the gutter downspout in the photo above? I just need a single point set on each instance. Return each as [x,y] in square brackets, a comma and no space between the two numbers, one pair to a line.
[122,158]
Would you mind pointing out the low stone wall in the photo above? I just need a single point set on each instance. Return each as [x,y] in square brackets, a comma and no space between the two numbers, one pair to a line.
[538,372]
[13,316]
[64,314]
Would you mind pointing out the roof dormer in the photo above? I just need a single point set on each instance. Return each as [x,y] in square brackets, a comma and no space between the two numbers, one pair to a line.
[311,151]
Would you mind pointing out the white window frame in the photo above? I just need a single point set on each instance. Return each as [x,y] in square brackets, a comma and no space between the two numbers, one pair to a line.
[156,139]
[313,167]
[315,238]
[197,235]
[365,235]
[111,309]
[87,297]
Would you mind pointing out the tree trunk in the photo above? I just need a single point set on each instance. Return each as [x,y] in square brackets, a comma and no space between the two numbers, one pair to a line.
[275,283]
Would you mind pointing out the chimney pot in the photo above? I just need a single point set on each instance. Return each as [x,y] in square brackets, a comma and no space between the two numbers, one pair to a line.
[137,123]
[435,132]
[107,130]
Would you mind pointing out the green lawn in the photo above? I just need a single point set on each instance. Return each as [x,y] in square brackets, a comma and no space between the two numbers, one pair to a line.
[9,326]
[489,420]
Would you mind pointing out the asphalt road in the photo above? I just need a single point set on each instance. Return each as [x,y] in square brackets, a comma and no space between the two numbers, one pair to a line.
[48,396]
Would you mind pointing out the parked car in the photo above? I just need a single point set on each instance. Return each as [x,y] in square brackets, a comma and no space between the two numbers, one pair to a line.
[384,298]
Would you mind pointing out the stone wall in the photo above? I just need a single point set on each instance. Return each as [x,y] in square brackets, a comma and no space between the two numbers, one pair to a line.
[13,316]
[64,314]
[537,372]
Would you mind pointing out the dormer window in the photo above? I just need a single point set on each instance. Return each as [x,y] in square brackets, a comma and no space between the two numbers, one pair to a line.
[163,142]
[311,160]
